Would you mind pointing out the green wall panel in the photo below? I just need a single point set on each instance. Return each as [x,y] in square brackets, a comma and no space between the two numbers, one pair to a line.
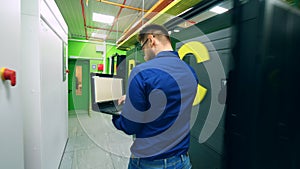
[95,63]
[84,49]
[111,50]
[88,49]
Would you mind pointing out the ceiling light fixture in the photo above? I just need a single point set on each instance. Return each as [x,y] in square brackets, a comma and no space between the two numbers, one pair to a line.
[103,18]
[218,10]
[99,36]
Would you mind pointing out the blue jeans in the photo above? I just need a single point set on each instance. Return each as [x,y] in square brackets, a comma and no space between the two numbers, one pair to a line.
[175,162]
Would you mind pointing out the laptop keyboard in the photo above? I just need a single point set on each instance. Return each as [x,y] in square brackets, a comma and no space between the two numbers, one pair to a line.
[112,109]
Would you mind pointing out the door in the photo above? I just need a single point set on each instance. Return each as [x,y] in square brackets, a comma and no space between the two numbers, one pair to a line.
[11,119]
[78,85]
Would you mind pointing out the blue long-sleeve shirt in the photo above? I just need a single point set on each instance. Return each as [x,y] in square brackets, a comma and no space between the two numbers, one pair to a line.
[158,106]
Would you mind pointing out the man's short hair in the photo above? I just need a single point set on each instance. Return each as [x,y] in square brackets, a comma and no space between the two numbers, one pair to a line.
[153,29]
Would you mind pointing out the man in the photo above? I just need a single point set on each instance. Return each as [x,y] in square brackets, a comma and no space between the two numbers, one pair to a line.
[158,104]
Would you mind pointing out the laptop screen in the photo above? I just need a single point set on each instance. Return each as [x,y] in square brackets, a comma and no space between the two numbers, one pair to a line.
[107,89]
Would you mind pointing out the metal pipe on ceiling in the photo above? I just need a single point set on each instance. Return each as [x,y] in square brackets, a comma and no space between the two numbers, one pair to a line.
[92,27]
[200,7]
[160,5]
[116,18]
[143,12]
[84,19]
[121,5]
[117,32]
[133,21]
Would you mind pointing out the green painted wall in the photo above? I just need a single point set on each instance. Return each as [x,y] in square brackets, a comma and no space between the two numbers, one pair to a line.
[94,66]
[88,50]
[83,49]
[111,50]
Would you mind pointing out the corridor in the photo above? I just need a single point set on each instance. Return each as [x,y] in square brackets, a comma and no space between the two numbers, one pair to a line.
[94,143]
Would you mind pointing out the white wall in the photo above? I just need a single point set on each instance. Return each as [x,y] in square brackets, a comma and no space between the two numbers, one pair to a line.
[53,98]
[44,92]
[11,116]
[31,83]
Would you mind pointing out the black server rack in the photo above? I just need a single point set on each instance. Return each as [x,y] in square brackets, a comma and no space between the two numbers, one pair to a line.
[262,118]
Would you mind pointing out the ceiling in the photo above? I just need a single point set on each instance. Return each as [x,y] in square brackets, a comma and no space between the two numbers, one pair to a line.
[78,16]
[127,20]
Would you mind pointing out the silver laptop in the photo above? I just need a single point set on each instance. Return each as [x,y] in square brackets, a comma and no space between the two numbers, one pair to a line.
[106,94]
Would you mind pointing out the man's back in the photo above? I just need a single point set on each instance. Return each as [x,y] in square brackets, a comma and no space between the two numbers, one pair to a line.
[166,88]
[158,104]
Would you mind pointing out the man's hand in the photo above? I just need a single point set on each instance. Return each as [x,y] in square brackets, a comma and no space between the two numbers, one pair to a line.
[122,100]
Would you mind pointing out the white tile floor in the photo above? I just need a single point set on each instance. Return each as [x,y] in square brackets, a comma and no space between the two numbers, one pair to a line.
[94,143]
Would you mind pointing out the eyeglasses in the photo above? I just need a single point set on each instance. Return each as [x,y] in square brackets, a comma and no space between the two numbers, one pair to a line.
[142,46]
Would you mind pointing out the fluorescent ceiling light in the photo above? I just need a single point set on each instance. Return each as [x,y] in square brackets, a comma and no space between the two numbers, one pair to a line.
[97,35]
[218,9]
[103,18]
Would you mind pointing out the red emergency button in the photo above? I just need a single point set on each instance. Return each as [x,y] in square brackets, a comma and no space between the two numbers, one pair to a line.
[7,74]
[100,67]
